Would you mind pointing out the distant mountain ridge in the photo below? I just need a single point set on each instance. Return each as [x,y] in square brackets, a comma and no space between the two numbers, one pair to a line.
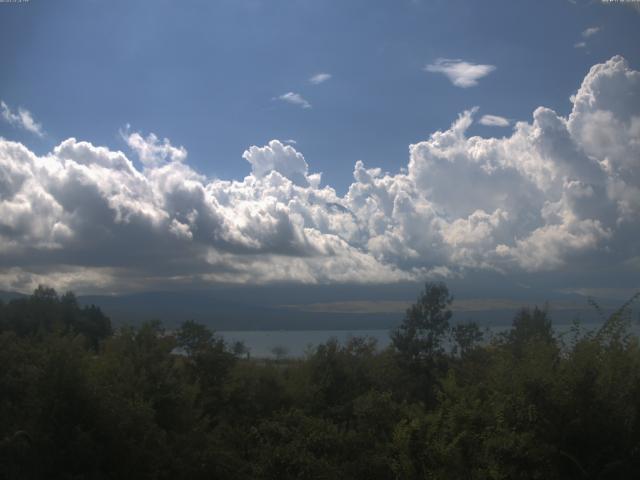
[7,296]
[295,307]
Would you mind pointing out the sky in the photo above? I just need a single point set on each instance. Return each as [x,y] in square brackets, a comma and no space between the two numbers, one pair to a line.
[161,145]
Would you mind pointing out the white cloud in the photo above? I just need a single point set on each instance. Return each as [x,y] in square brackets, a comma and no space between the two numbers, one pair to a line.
[319,78]
[591,31]
[294,99]
[276,157]
[22,119]
[587,33]
[462,74]
[494,121]
[555,193]
[151,151]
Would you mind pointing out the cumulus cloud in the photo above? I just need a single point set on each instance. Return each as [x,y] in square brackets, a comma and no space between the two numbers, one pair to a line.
[494,121]
[590,32]
[294,99]
[21,119]
[276,157]
[153,152]
[557,192]
[580,45]
[319,78]
[462,74]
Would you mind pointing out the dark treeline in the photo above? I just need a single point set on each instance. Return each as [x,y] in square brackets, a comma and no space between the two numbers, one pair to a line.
[78,400]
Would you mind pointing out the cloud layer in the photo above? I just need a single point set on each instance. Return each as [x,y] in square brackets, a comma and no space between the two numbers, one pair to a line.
[558,191]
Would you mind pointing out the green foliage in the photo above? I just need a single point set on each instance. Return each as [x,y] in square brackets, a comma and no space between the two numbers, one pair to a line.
[530,326]
[426,324]
[419,343]
[78,401]
[207,364]
[466,337]
[45,312]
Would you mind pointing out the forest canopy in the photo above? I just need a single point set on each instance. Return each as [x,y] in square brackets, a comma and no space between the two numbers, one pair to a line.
[445,400]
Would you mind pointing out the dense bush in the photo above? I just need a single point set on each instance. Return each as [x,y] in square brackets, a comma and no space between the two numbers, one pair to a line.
[80,401]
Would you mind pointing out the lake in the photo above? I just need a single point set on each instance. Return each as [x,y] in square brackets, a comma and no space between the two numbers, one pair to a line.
[297,342]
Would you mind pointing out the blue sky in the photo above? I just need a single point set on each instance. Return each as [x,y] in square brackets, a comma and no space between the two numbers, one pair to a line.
[524,116]
[204,73]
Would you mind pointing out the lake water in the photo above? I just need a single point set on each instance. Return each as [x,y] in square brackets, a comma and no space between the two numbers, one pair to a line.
[297,342]
[260,343]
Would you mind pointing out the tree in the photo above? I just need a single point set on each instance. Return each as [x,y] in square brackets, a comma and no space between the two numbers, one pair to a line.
[530,325]
[465,337]
[194,337]
[239,349]
[425,325]
[45,312]
[419,342]
[279,352]
[208,362]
